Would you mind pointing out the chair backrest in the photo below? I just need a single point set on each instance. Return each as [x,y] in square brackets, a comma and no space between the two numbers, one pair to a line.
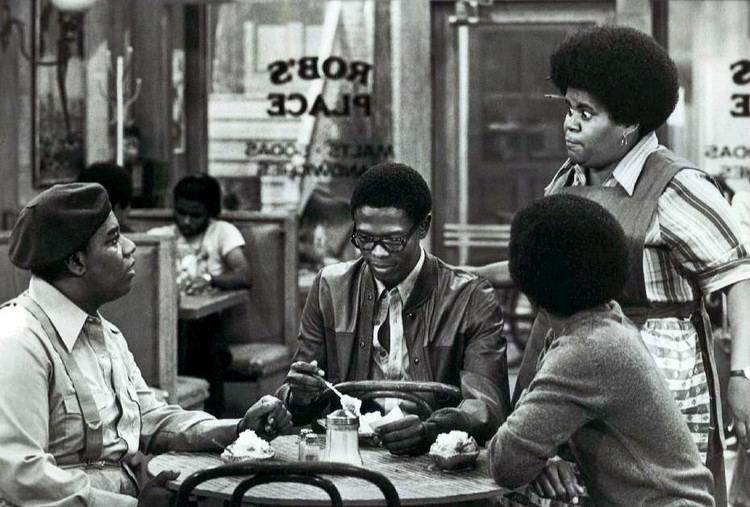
[261,473]
[271,252]
[147,315]
[464,237]
[427,396]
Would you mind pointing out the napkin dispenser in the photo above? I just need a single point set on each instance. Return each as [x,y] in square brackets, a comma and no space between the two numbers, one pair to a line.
[342,438]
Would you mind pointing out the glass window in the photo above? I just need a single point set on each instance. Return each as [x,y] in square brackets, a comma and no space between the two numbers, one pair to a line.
[710,43]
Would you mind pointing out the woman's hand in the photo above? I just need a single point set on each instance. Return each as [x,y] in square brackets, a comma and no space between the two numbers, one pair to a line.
[738,398]
[558,480]
[268,418]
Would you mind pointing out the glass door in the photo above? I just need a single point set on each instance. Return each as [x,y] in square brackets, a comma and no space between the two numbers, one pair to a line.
[499,137]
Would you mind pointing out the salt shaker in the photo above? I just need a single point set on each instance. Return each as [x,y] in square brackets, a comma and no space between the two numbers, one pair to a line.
[314,447]
[342,438]
[302,446]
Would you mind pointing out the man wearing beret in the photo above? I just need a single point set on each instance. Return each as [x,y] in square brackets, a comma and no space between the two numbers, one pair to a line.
[74,408]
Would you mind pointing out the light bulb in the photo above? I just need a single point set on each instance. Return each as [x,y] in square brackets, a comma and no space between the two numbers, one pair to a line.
[73,5]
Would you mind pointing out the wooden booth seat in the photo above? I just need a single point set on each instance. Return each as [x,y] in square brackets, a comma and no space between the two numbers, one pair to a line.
[255,369]
[192,392]
[147,315]
[262,332]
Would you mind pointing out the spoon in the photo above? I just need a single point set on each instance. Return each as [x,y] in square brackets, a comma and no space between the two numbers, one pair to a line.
[330,386]
[222,446]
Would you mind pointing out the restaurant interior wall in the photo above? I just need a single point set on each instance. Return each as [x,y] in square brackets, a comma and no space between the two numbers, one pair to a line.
[402,42]
[710,42]
[155,31]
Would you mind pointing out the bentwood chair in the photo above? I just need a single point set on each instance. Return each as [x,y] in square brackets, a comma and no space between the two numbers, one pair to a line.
[426,396]
[258,473]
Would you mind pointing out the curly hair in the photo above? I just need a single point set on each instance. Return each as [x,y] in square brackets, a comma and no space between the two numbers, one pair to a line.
[113,178]
[567,254]
[391,184]
[626,70]
[202,188]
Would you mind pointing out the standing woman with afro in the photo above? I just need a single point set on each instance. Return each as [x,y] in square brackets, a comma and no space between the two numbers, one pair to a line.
[683,239]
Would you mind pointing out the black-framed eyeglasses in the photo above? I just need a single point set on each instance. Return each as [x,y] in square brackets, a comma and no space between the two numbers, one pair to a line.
[391,244]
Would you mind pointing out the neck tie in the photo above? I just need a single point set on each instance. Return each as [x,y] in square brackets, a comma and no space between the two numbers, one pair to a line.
[384,332]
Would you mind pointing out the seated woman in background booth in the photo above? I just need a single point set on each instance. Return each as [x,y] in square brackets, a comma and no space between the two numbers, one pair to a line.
[596,387]
[210,256]
[684,241]
[209,250]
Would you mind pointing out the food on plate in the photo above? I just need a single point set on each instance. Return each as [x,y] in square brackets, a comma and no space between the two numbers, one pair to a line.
[351,404]
[454,450]
[248,446]
[455,442]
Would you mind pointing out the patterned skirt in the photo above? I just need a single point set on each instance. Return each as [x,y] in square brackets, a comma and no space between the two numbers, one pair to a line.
[674,345]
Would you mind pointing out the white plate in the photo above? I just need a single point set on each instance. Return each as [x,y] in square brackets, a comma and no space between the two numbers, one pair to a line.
[228,458]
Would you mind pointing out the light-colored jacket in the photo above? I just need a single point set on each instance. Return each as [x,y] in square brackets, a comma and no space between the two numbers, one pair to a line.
[41,425]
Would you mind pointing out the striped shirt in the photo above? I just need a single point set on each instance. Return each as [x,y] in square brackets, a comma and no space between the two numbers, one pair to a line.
[694,245]
[694,240]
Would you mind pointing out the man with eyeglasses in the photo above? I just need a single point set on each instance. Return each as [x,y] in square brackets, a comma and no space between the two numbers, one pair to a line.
[399,313]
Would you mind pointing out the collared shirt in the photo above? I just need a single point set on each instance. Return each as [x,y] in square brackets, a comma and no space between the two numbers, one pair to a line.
[41,427]
[694,237]
[393,365]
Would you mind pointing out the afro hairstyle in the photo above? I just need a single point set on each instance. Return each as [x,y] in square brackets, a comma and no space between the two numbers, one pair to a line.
[115,180]
[202,188]
[627,71]
[393,185]
[567,254]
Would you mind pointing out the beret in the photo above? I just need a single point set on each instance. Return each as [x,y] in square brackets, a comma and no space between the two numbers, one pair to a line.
[57,223]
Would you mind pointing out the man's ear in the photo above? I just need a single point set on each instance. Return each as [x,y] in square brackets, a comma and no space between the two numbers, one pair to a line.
[424,227]
[76,263]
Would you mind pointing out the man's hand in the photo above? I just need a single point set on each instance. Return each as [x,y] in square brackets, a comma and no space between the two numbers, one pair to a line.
[154,494]
[304,385]
[738,397]
[558,480]
[268,418]
[407,436]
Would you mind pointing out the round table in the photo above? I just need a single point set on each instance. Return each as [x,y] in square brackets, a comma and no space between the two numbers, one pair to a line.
[414,478]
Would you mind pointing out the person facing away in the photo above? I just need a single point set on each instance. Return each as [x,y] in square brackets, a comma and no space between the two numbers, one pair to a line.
[209,250]
[116,181]
[399,313]
[620,86]
[596,386]
[74,409]
[142,171]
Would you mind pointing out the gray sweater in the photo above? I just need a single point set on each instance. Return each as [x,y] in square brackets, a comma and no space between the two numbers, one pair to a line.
[598,389]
